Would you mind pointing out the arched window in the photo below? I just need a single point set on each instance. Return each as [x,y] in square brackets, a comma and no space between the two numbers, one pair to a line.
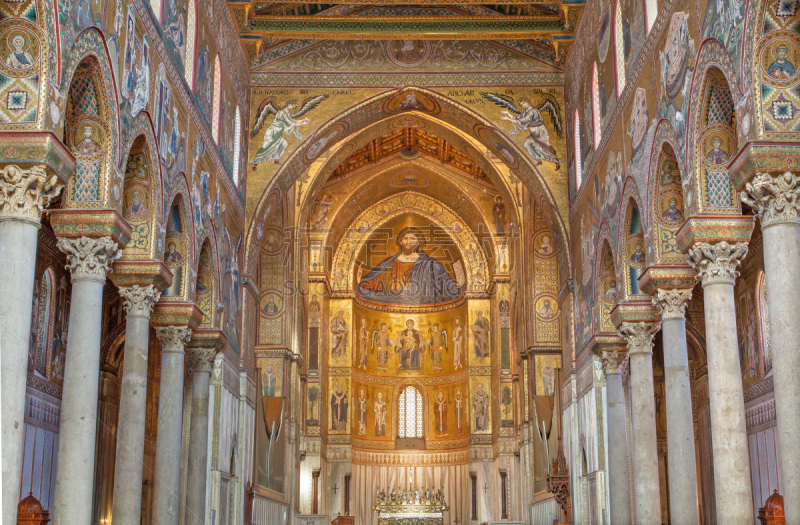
[237,144]
[43,310]
[577,143]
[619,48]
[650,14]
[217,100]
[409,419]
[191,34]
[597,123]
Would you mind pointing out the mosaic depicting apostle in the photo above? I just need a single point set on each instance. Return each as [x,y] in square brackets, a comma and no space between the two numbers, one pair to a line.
[409,347]
[480,334]
[545,248]
[339,336]
[440,410]
[339,409]
[379,408]
[409,277]
[362,413]
[438,345]
[546,312]
[269,378]
[458,344]
[285,123]
[88,147]
[637,257]
[459,405]
[717,155]
[173,256]
[363,339]
[19,58]
[672,213]
[529,118]
[480,406]
[781,68]
[611,293]
[271,307]
[499,212]
[381,343]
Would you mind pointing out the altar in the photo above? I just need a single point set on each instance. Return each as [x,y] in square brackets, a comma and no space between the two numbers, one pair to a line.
[410,508]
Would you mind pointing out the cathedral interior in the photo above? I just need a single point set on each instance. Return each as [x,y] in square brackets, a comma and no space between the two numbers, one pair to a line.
[423,262]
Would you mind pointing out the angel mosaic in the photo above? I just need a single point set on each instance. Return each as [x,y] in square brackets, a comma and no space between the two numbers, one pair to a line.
[529,118]
[285,123]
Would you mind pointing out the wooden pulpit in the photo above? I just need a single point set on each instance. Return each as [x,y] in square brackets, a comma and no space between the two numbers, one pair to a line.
[344,520]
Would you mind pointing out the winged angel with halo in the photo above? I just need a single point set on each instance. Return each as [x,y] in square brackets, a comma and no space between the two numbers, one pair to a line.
[284,123]
[530,118]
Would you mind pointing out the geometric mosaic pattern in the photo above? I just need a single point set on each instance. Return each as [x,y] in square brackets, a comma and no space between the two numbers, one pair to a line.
[781,109]
[718,188]
[84,97]
[19,99]
[87,180]
[720,106]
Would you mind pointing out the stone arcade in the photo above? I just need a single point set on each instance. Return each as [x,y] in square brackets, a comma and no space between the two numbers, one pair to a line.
[395,263]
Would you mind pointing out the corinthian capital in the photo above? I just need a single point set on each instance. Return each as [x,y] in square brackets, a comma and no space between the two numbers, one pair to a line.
[639,336]
[671,303]
[773,199]
[716,263]
[615,361]
[25,193]
[139,300]
[173,338]
[201,358]
[90,258]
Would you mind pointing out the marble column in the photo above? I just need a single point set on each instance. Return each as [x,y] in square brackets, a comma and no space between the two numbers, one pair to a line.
[138,304]
[200,362]
[23,196]
[682,464]
[619,488]
[776,202]
[646,490]
[716,265]
[89,261]
[167,482]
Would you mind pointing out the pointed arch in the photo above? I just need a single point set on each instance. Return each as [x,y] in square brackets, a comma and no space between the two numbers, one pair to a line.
[178,249]
[763,321]
[607,287]
[667,211]
[619,49]
[43,317]
[206,294]
[632,255]
[397,394]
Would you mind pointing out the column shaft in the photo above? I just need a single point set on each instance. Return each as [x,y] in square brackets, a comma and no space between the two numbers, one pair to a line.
[18,240]
[618,477]
[76,440]
[89,260]
[781,260]
[734,497]
[167,482]
[133,406]
[198,438]
[682,464]
[647,495]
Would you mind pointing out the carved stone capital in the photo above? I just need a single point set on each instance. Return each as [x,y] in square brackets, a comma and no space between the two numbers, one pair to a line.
[615,361]
[773,199]
[139,300]
[639,336]
[90,258]
[672,303]
[26,193]
[716,263]
[173,338]
[201,359]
